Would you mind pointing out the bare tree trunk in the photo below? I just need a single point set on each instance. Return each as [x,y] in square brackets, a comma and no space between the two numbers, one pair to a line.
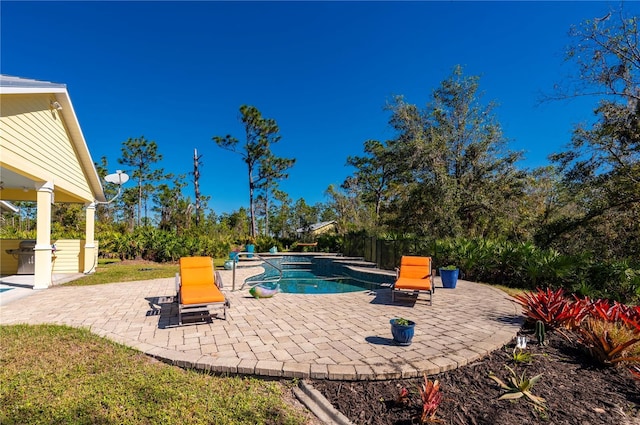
[196,183]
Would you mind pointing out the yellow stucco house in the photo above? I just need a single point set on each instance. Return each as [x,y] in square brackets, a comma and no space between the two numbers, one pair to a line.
[44,158]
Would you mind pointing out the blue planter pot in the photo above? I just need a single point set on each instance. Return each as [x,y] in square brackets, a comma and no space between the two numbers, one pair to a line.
[449,278]
[402,334]
[250,248]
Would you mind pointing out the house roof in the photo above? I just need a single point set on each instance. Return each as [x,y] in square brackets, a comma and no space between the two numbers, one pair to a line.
[11,84]
[315,226]
[18,85]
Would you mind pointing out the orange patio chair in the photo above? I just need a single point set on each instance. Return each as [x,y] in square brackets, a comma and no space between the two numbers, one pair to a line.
[198,287]
[415,276]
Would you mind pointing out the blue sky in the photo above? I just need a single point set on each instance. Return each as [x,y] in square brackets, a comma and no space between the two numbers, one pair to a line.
[177,73]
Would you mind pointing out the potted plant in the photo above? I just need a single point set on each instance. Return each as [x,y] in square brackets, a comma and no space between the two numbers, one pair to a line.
[250,246]
[449,276]
[402,330]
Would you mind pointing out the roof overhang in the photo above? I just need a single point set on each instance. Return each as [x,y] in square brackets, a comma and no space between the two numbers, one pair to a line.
[17,85]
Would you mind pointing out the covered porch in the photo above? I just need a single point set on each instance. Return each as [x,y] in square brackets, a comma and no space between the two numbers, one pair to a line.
[45,159]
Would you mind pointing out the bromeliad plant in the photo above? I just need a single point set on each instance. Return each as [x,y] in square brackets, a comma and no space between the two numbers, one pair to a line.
[545,305]
[431,398]
[403,396]
[608,330]
[519,387]
[609,342]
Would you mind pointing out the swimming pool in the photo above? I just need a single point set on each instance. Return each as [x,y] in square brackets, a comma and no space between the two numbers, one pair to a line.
[312,275]
[308,283]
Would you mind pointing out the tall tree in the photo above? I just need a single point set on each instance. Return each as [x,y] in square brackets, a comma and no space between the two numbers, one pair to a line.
[262,166]
[374,173]
[350,210]
[453,168]
[271,171]
[305,215]
[174,209]
[140,154]
[601,167]
[280,213]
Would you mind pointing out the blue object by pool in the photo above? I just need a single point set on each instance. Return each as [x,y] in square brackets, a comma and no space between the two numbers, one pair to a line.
[5,289]
[449,278]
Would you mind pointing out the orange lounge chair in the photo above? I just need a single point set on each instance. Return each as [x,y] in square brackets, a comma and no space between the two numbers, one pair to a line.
[414,275]
[198,287]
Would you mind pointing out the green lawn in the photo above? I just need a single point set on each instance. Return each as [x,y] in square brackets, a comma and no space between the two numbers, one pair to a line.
[109,271]
[54,374]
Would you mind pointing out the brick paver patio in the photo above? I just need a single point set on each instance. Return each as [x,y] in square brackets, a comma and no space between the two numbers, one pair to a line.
[334,336]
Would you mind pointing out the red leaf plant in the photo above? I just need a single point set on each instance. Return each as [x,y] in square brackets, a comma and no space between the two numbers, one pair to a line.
[547,306]
[431,398]
[574,313]
[603,309]
[632,321]
[596,336]
[403,396]
[631,316]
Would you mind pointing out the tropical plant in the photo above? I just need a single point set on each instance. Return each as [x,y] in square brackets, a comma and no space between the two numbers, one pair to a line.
[548,306]
[403,396]
[400,321]
[518,355]
[575,312]
[519,387]
[605,310]
[632,317]
[431,397]
[608,342]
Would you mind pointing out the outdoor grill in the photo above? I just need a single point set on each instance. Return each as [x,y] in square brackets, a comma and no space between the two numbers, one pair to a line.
[26,256]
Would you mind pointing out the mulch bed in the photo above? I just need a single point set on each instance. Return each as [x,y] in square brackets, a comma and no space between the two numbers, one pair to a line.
[576,391]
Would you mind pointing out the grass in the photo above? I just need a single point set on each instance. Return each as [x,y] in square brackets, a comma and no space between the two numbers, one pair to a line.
[55,374]
[110,271]
[61,375]
[509,290]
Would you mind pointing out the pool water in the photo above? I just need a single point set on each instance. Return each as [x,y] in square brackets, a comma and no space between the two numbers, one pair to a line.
[304,282]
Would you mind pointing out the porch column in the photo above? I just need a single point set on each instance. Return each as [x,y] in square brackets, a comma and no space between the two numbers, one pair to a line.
[90,244]
[42,250]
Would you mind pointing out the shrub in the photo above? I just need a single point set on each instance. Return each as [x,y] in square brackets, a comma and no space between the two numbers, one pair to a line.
[609,342]
[547,306]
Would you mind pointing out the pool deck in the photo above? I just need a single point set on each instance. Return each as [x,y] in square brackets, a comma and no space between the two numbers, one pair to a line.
[333,336]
